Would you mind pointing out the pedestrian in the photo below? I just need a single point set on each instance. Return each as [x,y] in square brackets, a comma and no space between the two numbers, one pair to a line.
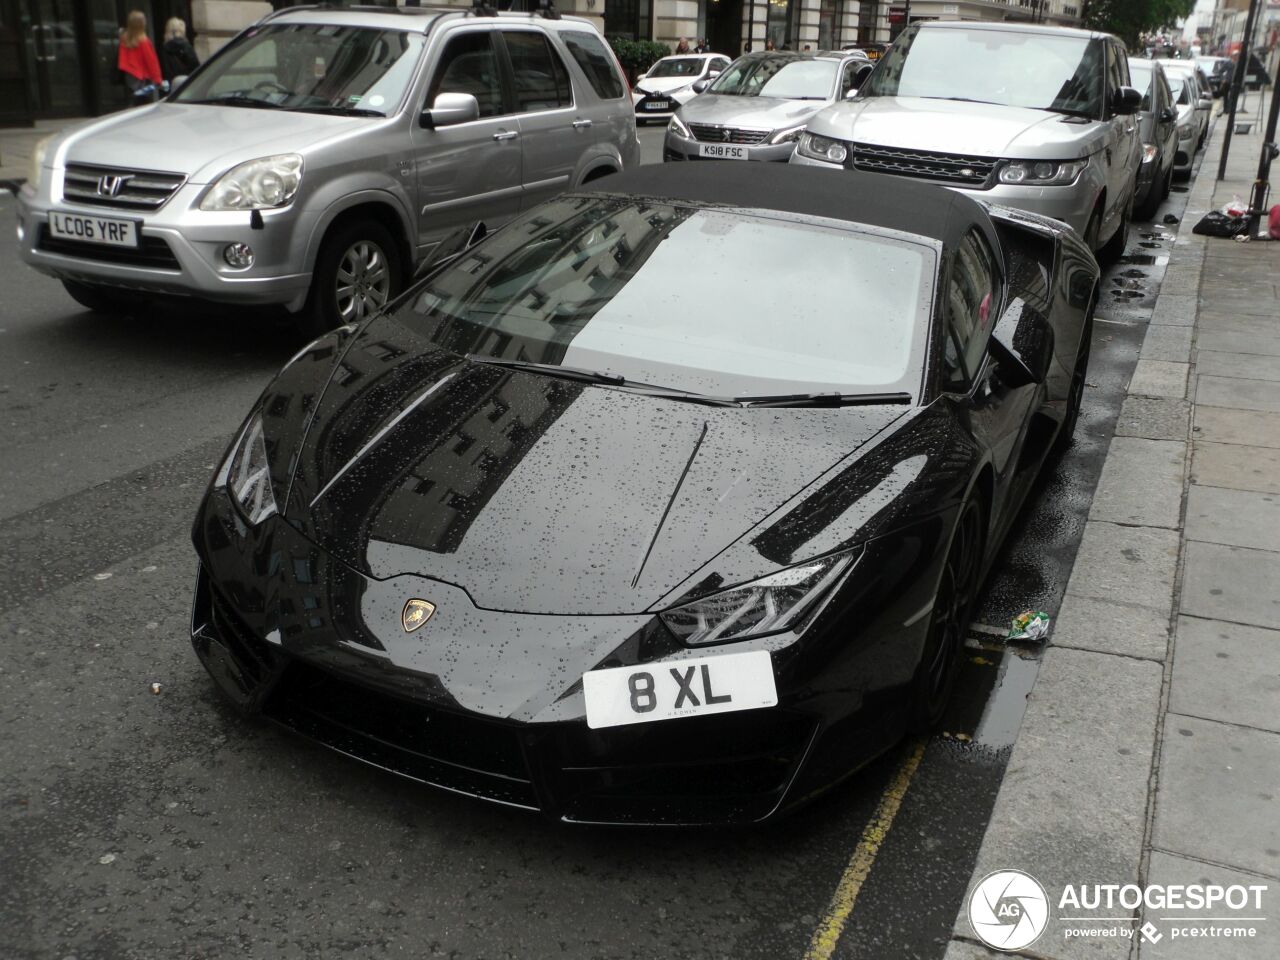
[706,45]
[746,48]
[177,56]
[682,46]
[137,61]
[807,48]
[769,45]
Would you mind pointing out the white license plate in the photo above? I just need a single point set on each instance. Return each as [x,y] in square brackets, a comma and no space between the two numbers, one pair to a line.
[658,105]
[679,688]
[104,230]
[722,151]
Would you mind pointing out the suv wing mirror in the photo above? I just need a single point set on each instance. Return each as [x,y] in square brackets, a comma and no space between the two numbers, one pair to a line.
[700,86]
[451,247]
[1126,101]
[450,109]
[1022,345]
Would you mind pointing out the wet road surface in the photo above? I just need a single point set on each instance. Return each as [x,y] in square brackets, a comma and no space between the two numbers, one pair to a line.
[136,824]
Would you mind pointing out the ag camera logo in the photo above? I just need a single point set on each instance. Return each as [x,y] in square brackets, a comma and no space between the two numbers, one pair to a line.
[1008,910]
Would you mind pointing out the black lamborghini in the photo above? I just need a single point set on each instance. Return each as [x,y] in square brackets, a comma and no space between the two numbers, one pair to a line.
[666,502]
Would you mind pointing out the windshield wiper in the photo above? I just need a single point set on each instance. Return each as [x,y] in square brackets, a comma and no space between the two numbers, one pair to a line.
[236,100]
[607,379]
[967,100]
[340,111]
[825,400]
[1068,112]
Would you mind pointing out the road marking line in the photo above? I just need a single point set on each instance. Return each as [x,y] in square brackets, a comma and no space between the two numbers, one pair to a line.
[827,936]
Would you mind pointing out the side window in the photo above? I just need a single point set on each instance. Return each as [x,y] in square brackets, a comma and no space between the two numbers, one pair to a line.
[469,64]
[720,64]
[588,51]
[542,82]
[847,76]
[971,302]
[1166,95]
[1117,75]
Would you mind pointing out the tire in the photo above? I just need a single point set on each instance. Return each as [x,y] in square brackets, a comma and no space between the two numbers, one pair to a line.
[357,272]
[1151,204]
[1075,399]
[1113,249]
[1168,183]
[100,299]
[953,604]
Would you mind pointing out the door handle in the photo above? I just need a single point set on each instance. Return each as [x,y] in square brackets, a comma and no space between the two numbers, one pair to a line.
[581,124]
[506,135]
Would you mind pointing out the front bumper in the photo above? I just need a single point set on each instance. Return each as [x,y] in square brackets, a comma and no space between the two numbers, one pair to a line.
[687,148]
[180,251]
[1186,154]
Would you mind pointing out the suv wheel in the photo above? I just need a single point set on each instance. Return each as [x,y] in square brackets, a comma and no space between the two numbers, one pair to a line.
[101,299]
[356,274]
[1113,249]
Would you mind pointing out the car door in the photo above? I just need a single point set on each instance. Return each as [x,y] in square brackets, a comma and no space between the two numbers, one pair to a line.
[1123,150]
[468,171]
[1166,120]
[553,135]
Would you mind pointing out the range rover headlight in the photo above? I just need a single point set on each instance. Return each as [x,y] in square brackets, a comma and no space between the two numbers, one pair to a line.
[1039,173]
[821,148]
[247,474]
[769,605]
[677,128]
[256,185]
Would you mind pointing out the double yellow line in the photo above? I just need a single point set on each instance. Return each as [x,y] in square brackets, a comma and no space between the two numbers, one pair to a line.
[825,938]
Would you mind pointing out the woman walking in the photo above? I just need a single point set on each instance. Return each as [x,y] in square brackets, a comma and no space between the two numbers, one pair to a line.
[177,56]
[137,61]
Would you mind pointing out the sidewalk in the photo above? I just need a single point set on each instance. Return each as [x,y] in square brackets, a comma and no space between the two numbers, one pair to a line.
[1150,749]
[16,144]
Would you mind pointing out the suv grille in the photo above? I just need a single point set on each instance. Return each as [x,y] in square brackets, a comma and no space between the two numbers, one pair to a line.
[713,133]
[134,189]
[924,164]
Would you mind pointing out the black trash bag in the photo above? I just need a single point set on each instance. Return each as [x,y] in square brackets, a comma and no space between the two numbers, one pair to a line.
[1216,224]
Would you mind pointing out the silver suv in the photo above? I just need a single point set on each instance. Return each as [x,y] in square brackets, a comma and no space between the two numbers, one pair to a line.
[322,154]
[1035,117]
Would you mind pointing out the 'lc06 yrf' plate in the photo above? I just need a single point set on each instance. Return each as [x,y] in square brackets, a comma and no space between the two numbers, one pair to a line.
[679,688]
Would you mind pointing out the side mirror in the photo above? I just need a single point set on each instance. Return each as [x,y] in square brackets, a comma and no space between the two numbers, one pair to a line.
[451,247]
[450,109]
[1168,115]
[713,74]
[177,82]
[700,86]
[1206,102]
[1126,101]
[641,76]
[1022,345]
[853,92]
[861,74]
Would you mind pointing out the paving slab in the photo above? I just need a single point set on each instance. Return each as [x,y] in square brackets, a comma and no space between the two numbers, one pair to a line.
[1247,366]
[1141,482]
[1242,518]
[1167,343]
[1236,465]
[1219,794]
[1136,563]
[1167,869]
[1238,322]
[1156,418]
[1087,623]
[1089,731]
[1231,583]
[1159,378]
[1240,341]
[1175,310]
[1238,393]
[1227,672]
[1248,427]
[961,950]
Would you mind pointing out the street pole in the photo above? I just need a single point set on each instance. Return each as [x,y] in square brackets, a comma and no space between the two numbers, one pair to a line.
[1262,186]
[1242,66]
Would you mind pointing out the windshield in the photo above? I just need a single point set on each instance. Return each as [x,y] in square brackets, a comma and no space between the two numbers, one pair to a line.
[788,78]
[1038,70]
[603,284]
[316,67]
[677,67]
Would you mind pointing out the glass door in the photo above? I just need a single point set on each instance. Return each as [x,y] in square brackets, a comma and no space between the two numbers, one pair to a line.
[51,48]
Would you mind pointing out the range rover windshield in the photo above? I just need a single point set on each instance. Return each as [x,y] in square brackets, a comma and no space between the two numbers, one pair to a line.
[319,68]
[1062,73]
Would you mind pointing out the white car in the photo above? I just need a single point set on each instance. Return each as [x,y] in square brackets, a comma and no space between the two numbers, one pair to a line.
[669,84]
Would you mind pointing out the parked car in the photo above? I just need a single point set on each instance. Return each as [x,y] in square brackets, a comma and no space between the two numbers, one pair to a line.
[1218,70]
[1030,116]
[1198,92]
[756,109]
[1188,125]
[669,84]
[535,535]
[321,154]
[1158,129]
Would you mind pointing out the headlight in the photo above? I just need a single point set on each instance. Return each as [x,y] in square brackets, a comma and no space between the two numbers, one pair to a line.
[1041,172]
[248,478]
[677,127]
[1148,152]
[37,161]
[788,135]
[256,185]
[770,605]
[1184,130]
[821,148]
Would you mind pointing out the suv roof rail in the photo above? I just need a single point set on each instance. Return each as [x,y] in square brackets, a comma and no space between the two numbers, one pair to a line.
[357,7]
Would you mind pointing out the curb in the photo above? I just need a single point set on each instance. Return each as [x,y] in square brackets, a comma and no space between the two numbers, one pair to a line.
[1077,799]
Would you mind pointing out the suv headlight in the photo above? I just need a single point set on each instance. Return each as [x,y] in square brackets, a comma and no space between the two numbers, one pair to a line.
[38,153]
[1040,173]
[256,185]
[788,135]
[247,474]
[821,148]
[677,127]
[769,605]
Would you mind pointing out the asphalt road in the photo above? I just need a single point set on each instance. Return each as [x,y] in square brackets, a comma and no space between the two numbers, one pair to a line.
[136,824]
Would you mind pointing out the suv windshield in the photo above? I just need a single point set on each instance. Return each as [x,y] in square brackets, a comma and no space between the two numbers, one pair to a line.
[1038,70]
[311,67]
[788,78]
[676,67]
[602,284]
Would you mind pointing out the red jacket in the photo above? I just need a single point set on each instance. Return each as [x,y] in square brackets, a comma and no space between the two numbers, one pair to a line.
[140,61]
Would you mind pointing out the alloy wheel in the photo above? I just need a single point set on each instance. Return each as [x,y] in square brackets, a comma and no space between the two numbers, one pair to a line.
[363,281]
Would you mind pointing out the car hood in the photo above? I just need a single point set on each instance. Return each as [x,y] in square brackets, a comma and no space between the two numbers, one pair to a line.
[759,112]
[976,129]
[536,494]
[663,84]
[201,141]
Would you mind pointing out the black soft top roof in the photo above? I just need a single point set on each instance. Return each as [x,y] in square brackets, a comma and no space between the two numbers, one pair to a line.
[877,200]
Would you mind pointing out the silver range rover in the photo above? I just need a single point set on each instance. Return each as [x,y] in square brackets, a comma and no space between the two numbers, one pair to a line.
[1034,117]
[321,155]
